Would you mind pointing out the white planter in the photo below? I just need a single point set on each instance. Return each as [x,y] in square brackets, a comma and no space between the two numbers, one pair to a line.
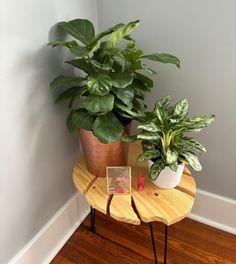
[168,178]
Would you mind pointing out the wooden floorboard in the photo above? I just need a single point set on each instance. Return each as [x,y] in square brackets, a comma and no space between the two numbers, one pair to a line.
[190,242]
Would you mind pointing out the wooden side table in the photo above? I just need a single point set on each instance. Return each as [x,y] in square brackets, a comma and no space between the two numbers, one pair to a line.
[152,203]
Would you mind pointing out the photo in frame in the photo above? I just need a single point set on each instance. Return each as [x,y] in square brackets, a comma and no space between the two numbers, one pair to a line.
[118,180]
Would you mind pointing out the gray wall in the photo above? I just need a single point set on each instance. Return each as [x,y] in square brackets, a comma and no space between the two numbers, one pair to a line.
[203,35]
[37,154]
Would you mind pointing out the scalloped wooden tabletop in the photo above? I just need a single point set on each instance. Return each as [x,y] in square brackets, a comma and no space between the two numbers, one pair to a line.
[150,204]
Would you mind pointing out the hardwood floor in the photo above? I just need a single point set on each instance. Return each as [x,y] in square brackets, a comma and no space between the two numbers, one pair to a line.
[190,242]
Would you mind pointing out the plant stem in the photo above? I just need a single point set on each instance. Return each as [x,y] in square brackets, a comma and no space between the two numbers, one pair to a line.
[166,142]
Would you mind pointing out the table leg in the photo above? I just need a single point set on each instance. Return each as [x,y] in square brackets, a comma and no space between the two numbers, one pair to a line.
[166,237]
[92,219]
[153,243]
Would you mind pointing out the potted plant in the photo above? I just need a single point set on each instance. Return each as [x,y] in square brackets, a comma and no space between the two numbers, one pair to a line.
[165,144]
[110,90]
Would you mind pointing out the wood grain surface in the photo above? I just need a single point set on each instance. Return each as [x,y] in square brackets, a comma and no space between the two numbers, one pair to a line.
[97,195]
[190,242]
[81,177]
[152,203]
[121,209]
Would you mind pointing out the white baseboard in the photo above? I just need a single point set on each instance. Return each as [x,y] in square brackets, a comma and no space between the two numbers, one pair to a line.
[210,209]
[215,210]
[51,238]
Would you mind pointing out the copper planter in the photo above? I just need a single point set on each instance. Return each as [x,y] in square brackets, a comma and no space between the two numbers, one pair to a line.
[98,155]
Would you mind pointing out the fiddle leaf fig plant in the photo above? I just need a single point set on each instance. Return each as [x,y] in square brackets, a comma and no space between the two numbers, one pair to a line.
[163,136]
[113,81]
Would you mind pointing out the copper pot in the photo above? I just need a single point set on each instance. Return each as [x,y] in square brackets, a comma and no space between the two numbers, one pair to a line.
[98,155]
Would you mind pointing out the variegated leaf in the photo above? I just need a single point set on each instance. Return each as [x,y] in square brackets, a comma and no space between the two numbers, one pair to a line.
[171,156]
[151,127]
[156,169]
[146,145]
[174,166]
[194,144]
[148,136]
[181,109]
[197,123]
[193,161]
[159,114]
[149,154]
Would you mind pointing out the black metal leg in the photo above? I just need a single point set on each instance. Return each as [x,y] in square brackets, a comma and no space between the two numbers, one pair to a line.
[166,237]
[153,243]
[92,219]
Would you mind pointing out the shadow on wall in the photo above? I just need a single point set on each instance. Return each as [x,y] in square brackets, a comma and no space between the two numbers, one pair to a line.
[49,151]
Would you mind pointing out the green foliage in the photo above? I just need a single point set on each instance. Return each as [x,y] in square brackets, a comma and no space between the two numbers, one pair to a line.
[107,128]
[163,139]
[115,79]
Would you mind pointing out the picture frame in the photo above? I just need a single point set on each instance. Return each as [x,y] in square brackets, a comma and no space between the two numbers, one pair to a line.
[118,179]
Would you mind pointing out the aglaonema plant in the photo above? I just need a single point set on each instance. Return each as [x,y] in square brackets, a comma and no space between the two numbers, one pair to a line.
[112,89]
[163,136]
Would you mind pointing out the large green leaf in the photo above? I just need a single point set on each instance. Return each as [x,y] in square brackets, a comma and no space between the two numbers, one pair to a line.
[103,34]
[171,156]
[72,93]
[156,169]
[81,118]
[81,29]
[193,161]
[163,57]
[82,64]
[101,66]
[139,88]
[66,82]
[99,84]
[132,54]
[79,52]
[192,143]
[126,95]
[117,66]
[68,44]
[149,154]
[151,127]
[181,110]
[134,66]
[121,79]
[107,128]
[131,43]
[148,136]
[69,123]
[148,70]
[99,104]
[144,79]
[120,33]
[139,104]
[131,113]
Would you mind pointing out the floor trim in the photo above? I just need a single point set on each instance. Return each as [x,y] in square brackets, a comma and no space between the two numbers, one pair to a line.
[52,237]
[209,208]
[215,210]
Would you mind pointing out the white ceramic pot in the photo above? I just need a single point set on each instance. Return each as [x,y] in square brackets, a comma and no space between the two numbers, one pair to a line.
[168,178]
